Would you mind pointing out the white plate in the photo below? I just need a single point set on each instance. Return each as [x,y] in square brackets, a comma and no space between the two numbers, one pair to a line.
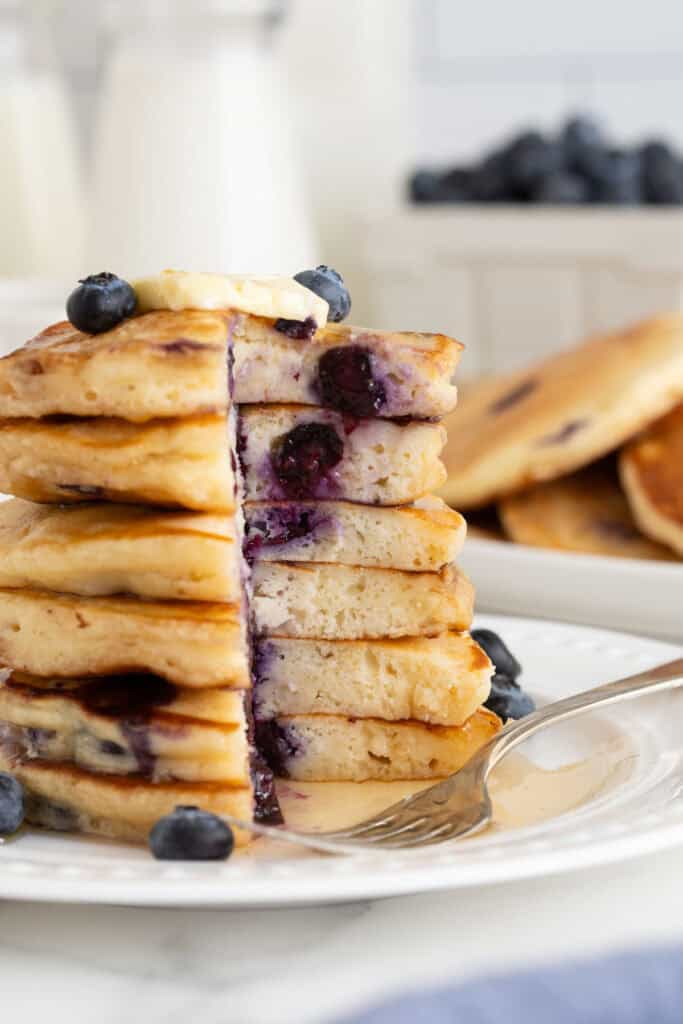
[617,593]
[626,782]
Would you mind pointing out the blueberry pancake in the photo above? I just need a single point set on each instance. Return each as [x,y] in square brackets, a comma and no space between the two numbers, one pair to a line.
[160,365]
[123,726]
[64,798]
[423,537]
[330,748]
[175,463]
[174,363]
[290,452]
[441,680]
[192,644]
[354,370]
[101,549]
[584,512]
[563,413]
[340,602]
[287,452]
[651,470]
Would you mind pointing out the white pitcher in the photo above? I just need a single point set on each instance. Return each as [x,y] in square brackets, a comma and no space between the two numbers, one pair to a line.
[194,161]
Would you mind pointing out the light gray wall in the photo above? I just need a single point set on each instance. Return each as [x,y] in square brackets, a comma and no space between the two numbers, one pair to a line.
[485,68]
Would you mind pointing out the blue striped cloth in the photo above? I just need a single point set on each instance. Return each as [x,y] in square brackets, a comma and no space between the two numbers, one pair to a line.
[632,988]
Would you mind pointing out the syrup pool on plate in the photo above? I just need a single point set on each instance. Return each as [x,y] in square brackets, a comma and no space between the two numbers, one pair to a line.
[524,791]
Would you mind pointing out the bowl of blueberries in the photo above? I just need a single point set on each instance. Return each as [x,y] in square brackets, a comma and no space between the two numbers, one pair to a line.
[545,239]
[577,165]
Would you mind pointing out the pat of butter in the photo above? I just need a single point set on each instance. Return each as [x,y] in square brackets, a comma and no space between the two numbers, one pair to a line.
[271,297]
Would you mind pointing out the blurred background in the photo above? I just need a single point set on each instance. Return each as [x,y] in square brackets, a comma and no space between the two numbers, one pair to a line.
[388,138]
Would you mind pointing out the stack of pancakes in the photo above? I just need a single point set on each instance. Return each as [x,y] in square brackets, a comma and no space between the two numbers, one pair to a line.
[582,451]
[232,559]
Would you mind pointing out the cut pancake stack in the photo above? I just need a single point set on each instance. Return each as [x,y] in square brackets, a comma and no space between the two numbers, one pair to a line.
[148,662]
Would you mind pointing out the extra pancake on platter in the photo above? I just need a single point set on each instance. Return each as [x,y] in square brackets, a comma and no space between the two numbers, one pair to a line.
[584,512]
[652,474]
[563,413]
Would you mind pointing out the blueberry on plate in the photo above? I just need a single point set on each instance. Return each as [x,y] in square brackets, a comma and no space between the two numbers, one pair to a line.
[100,302]
[329,285]
[507,700]
[189,833]
[11,804]
[503,659]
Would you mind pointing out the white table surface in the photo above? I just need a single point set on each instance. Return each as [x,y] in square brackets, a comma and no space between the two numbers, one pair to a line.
[302,966]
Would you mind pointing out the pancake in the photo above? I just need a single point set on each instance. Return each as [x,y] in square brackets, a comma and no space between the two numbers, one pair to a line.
[441,679]
[329,748]
[175,463]
[339,602]
[423,537]
[190,644]
[652,475]
[65,798]
[174,364]
[161,364]
[585,512]
[187,462]
[104,549]
[563,413]
[123,727]
[399,374]
[294,452]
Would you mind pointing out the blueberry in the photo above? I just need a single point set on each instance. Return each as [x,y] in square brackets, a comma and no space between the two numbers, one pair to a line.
[562,187]
[425,187]
[189,833]
[329,285]
[456,185]
[504,661]
[580,133]
[100,302]
[662,174]
[346,381]
[11,804]
[298,330]
[621,179]
[304,456]
[507,700]
[489,182]
[529,159]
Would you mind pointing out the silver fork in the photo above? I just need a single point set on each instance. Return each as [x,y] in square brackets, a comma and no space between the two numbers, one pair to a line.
[460,805]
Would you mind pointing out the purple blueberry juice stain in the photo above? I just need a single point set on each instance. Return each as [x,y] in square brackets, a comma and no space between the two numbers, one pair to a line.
[514,397]
[132,695]
[112,749]
[49,814]
[346,381]
[617,530]
[302,460]
[282,527]
[183,346]
[266,805]
[278,744]
[564,434]
[297,330]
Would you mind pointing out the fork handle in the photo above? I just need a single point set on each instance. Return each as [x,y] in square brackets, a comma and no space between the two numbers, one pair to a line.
[653,680]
